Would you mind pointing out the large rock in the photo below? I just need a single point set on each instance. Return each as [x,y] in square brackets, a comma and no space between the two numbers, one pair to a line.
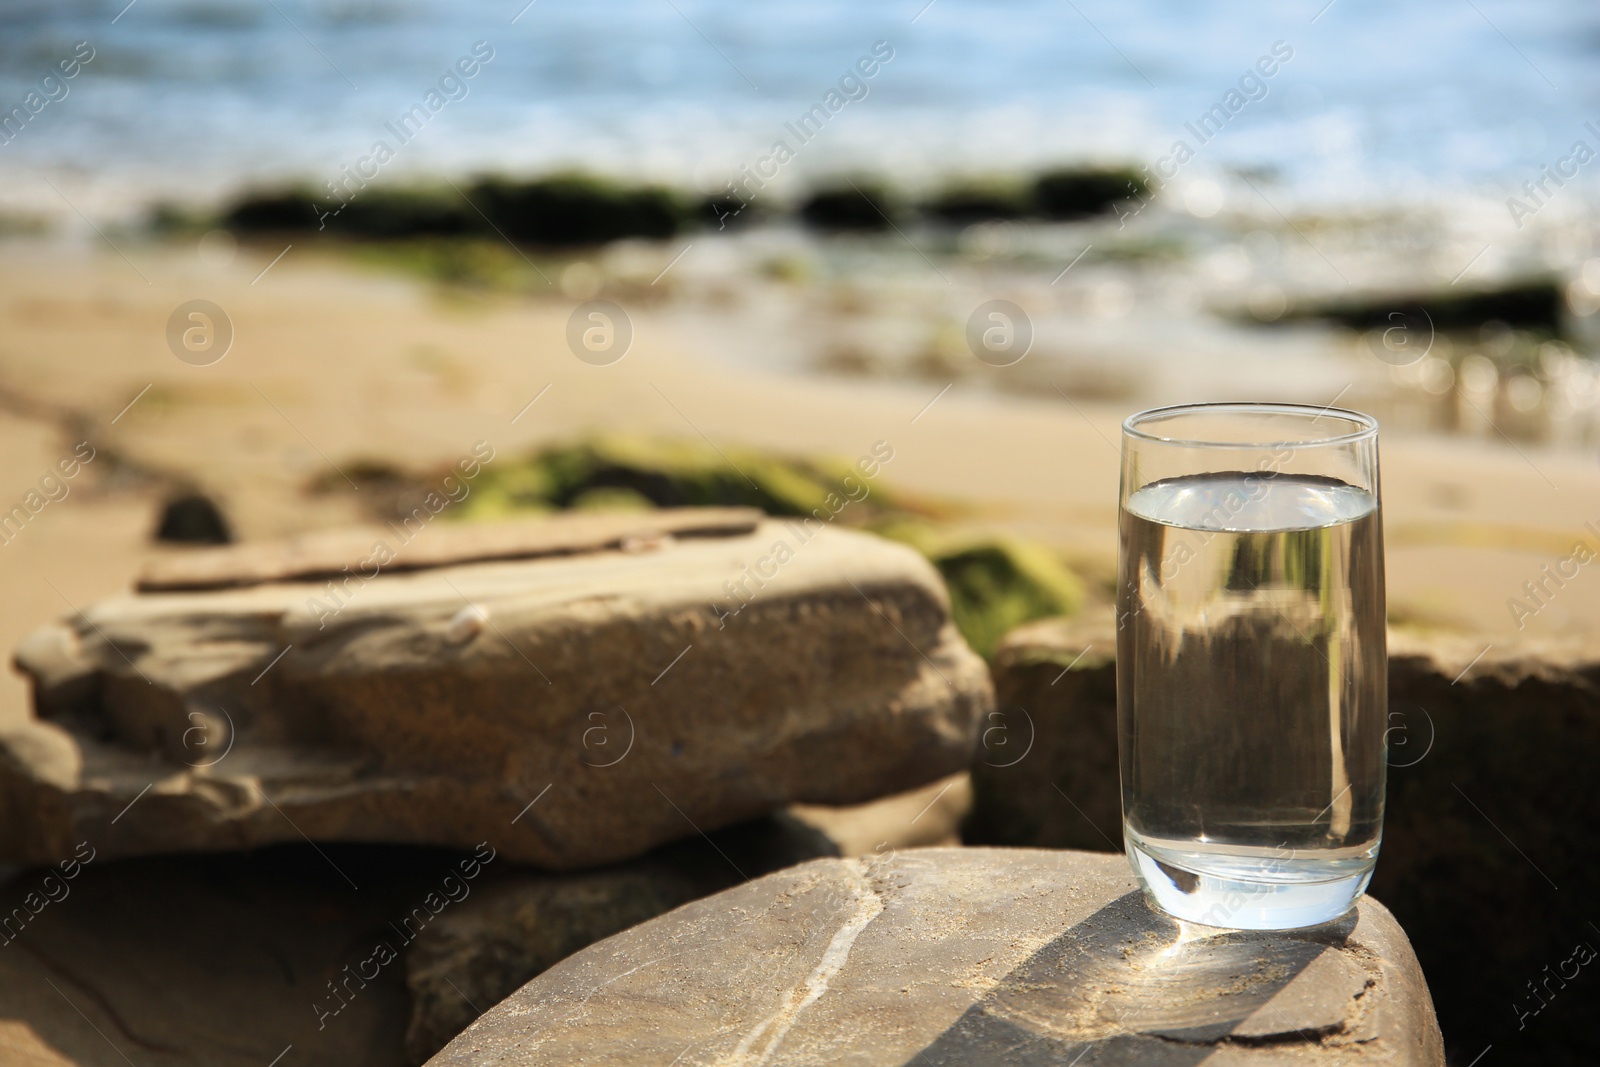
[578,707]
[1490,808]
[963,956]
[477,954]
[227,960]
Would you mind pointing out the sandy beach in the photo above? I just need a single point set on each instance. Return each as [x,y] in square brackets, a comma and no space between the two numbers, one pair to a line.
[333,364]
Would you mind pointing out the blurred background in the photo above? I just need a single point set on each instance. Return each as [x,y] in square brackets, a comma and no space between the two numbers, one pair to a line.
[271,265]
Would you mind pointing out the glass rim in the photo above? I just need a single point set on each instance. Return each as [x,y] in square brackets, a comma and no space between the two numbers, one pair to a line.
[1366,425]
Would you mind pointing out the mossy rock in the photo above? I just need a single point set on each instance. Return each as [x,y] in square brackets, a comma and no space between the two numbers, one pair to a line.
[1535,304]
[978,201]
[377,213]
[561,210]
[388,214]
[611,498]
[1081,192]
[272,211]
[998,585]
[579,209]
[678,475]
[995,584]
[861,207]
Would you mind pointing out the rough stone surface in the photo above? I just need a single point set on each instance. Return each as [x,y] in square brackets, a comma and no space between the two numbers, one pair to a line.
[1491,807]
[963,956]
[329,553]
[476,955]
[519,924]
[225,960]
[580,709]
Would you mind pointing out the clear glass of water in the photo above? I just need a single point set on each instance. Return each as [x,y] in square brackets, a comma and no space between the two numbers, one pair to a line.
[1252,674]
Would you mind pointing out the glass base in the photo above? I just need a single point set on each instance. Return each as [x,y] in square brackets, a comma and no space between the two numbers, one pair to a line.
[1248,889]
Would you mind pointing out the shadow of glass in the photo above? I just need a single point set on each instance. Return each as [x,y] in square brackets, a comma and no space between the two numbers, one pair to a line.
[1135,986]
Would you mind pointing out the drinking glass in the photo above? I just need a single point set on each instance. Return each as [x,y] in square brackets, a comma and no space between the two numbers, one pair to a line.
[1252,673]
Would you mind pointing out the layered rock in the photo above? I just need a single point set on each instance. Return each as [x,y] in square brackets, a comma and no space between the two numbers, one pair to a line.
[346,954]
[524,922]
[963,956]
[578,700]
[1491,751]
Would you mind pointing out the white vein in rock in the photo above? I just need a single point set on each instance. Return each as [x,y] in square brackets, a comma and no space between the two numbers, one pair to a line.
[776,1026]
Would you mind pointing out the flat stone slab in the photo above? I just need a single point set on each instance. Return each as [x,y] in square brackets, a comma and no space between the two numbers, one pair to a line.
[963,956]
[579,708]
[331,553]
